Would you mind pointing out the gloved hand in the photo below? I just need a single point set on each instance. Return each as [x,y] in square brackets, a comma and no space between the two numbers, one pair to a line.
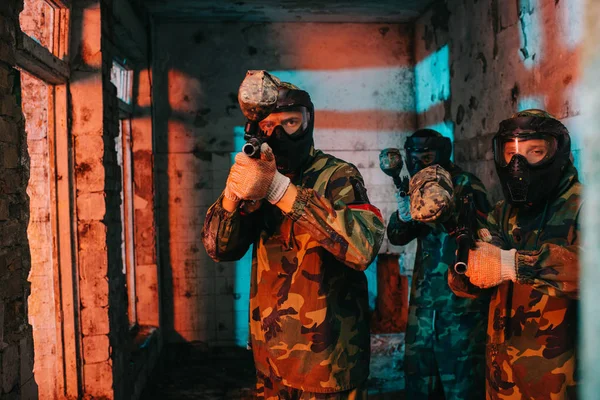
[256,178]
[403,207]
[431,195]
[490,266]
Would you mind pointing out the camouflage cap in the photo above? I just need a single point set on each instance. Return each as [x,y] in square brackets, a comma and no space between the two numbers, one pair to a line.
[431,194]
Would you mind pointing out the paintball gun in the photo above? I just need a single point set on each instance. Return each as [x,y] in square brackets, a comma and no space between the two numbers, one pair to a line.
[257,97]
[463,233]
[390,162]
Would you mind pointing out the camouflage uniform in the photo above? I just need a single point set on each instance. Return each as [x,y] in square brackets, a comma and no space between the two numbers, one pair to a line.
[532,330]
[445,336]
[308,302]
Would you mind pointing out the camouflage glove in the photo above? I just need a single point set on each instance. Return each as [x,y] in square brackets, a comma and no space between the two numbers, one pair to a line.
[490,266]
[256,178]
[431,195]
[403,207]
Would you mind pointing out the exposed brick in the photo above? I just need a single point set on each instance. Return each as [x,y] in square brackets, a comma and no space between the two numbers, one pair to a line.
[93,279]
[147,294]
[91,206]
[9,106]
[26,353]
[6,80]
[86,90]
[10,368]
[9,154]
[8,130]
[8,230]
[7,52]
[92,235]
[7,31]
[94,321]
[96,349]
[4,210]
[98,380]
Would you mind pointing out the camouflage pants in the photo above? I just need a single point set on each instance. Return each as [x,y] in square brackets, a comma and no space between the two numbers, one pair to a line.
[272,389]
[445,355]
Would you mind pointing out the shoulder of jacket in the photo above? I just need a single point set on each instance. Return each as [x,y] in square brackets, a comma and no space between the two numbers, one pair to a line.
[326,163]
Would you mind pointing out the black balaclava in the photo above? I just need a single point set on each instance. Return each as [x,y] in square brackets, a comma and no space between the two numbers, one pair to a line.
[524,182]
[425,140]
[292,150]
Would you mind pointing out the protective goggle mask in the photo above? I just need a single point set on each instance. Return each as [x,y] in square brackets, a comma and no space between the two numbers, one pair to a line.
[536,148]
[292,122]
[426,157]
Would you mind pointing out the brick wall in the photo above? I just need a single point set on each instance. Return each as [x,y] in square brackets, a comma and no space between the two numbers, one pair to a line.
[104,324]
[360,77]
[16,345]
[502,56]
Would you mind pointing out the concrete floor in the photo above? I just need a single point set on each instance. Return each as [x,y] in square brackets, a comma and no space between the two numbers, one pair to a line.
[199,373]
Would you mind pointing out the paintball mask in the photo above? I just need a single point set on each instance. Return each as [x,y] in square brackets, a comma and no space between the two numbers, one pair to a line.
[289,128]
[280,114]
[530,151]
[426,147]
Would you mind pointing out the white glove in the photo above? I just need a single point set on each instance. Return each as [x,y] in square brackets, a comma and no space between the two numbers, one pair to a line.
[403,207]
[490,266]
[256,178]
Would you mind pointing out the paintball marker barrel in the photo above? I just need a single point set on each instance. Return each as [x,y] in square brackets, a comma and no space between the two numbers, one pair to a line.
[252,147]
[463,234]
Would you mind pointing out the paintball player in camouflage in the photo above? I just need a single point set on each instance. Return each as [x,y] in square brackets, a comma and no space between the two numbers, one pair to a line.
[445,335]
[313,233]
[529,259]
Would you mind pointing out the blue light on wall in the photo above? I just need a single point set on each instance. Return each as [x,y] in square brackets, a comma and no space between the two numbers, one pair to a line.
[432,80]
[526,103]
[371,274]
[530,33]
[241,288]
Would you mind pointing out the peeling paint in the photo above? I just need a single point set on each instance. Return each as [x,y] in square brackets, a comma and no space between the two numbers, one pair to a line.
[481,58]
[82,168]
[514,94]
[460,114]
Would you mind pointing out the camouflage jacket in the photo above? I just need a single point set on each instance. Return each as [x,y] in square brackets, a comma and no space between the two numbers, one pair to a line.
[532,329]
[436,251]
[308,295]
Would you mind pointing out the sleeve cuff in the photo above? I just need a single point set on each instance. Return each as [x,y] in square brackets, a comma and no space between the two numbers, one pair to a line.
[508,265]
[223,213]
[299,204]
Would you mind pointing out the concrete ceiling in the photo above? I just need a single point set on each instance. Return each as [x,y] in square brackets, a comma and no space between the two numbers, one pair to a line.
[288,10]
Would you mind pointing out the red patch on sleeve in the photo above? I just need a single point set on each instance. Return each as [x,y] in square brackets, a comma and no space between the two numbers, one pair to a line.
[366,207]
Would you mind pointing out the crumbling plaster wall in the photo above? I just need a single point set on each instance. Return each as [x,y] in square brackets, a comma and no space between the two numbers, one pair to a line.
[16,342]
[503,56]
[42,310]
[361,82]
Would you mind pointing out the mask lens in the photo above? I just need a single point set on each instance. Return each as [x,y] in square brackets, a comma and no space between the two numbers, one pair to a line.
[423,157]
[291,122]
[536,149]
